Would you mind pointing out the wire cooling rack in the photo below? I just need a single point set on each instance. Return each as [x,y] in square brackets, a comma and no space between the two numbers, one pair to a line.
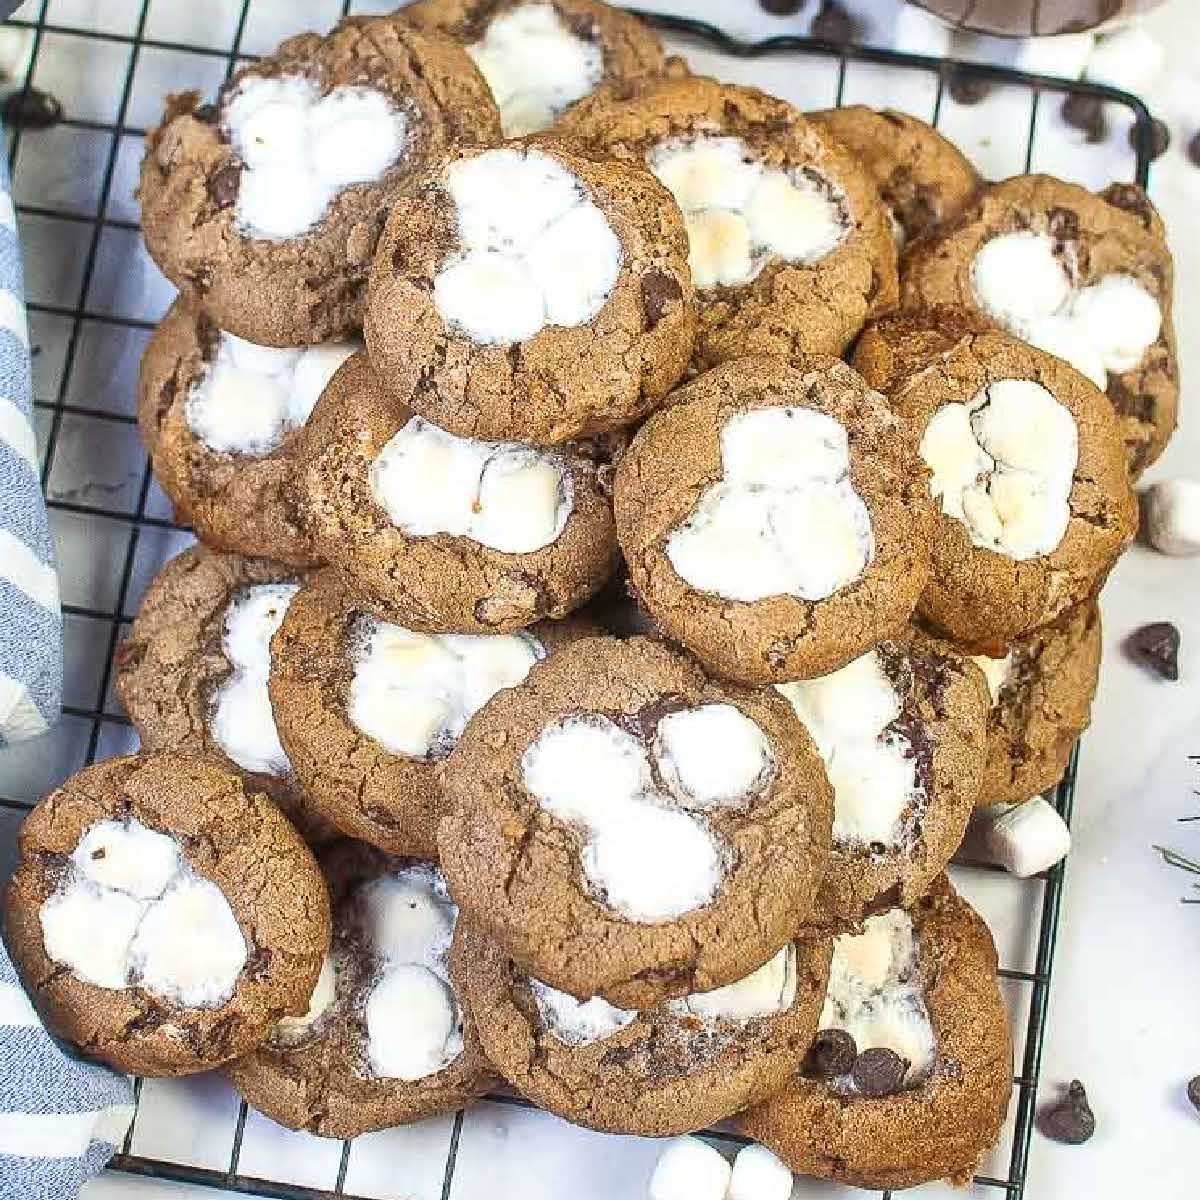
[93,299]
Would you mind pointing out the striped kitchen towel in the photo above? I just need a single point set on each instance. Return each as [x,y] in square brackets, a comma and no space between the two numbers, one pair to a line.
[30,621]
[61,1118]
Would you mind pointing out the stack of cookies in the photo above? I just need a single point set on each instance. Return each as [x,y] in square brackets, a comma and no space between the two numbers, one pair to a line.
[641,523]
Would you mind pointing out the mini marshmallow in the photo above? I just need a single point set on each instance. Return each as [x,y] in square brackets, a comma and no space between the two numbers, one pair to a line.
[414,693]
[1065,337]
[580,767]
[127,857]
[712,755]
[759,1173]
[763,993]
[535,66]
[501,495]
[90,930]
[689,1169]
[407,918]
[413,1027]
[577,1022]
[299,149]
[242,722]
[1025,839]
[291,1029]
[1122,319]
[535,250]
[1129,58]
[250,397]
[1172,512]
[1018,278]
[997,672]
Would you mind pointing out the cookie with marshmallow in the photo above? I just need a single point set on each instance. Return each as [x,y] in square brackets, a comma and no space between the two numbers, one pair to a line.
[678,1067]
[1025,463]
[443,533]
[774,518]
[368,711]
[922,176]
[192,673]
[529,292]
[1088,278]
[163,914]
[624,827]
[903,733]
[265,206]
[388,1037]
[222,418]
[910,1077]
[790,247]
[539,57]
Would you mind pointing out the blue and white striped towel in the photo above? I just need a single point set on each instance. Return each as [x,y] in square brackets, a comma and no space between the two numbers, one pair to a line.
[60,1118]
[30,621]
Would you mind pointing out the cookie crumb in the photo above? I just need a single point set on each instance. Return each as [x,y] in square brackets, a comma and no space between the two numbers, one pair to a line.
[1156,646]
[31,108]
[1070,1119]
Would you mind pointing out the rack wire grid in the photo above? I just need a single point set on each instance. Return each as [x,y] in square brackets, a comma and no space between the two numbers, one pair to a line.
[93,297]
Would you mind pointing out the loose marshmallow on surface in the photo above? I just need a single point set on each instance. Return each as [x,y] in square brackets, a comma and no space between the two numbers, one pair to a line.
[689,1169]
[784,519]
[535,250]
[241,721]
[741,213]
[535,66]
[712,755]
[871,768]
[577,1022]
[414,692]
[504,496]
[875,992]
[763,993]
[1027,838]
[759,1174]
[250,397]
[299,149]
[1172,514]
[1004,465]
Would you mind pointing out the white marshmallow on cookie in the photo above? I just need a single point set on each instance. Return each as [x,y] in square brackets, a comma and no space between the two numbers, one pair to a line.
[785,519]
[1172,512]
[250,397]
[534,249]
[741,213]
[501,495]
[997,672]
[290,1030]
[712,755]
[766,992]
[578,1022]
[299,149]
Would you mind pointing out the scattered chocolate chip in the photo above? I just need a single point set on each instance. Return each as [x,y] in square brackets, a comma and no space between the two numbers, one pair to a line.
[223,186]
[1160,138]
[781,8]
[31,108]
[1193,1091]
[878,1071]
[1085,113]
[1070,1118]
[968,88]
[833,24]
[832,1054]
[659,292]
[1156,646]
[206,113]
[1193,150]
[1131,198]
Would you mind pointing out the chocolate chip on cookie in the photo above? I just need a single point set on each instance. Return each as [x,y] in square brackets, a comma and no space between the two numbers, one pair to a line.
[831,1054]
[531,292]
[164,915]
[442,533]
[1027,468]
[388,1036]
[266,210]
[791,248]
[775,518]
[624,827]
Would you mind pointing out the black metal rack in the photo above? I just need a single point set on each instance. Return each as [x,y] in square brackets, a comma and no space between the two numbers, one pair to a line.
[112,619]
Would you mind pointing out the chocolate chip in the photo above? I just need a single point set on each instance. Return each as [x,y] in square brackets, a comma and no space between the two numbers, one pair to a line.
[223,186]
[878,1071]
[206,113]
[833,24]
[1160,138]
[968,88]
[1193,1091]
[1087,114]
[1193,150]
[98,853]
[781,8]
[832,1054]
[31,108]
[1069,1119]
[1131,198]
[1156,646]
[659,292]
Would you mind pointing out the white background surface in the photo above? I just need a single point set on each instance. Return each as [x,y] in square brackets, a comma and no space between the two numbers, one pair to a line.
[1123,1010]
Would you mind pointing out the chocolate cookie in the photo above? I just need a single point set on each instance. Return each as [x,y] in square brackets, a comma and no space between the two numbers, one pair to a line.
[923,177]
[532,293]
[1088,278]
[910,1078]
[388,1037]
[622,826]
[539,58]
[265,207]
[1027,467]
[681,1066]
[221,418]
[902,731]
[442,533]
[775,518]
[192,674]
[163,916]
[1041,702]
[791,248]
[368,710]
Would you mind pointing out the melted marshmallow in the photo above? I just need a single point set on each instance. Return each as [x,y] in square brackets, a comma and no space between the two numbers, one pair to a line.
[997,671]
[578,1022]
[290,1030]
